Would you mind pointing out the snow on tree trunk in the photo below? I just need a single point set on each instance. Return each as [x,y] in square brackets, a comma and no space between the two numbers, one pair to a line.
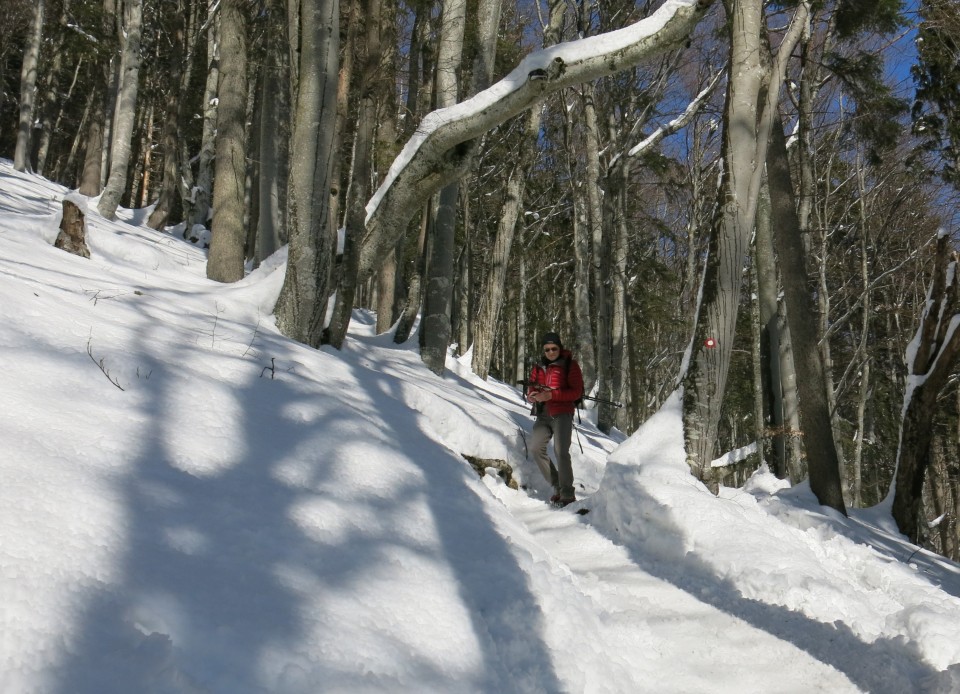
[202,191]
[930,360]
[438,153]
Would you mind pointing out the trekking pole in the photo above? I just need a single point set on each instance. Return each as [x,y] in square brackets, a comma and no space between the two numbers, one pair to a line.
[601,401]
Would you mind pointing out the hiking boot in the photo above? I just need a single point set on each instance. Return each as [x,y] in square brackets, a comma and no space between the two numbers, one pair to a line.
[555,498]
[563,501]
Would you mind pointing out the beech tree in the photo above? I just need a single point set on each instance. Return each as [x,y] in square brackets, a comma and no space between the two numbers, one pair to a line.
[302,306]
[28,89]
[124,120]
[438,153]
[228,234]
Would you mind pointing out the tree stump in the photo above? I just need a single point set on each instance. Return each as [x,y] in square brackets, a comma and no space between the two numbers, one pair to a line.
[72,236]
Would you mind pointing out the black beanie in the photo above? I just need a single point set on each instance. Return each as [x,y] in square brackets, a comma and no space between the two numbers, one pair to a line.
[551,338]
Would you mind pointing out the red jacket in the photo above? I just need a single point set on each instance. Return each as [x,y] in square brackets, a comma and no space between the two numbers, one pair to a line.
[564,377]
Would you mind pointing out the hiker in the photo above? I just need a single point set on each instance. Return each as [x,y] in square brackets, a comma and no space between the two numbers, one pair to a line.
[554,386]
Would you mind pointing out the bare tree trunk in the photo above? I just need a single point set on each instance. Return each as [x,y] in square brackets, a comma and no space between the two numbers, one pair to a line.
[51,93]
[28,90]
[120,149]
[706,380]
[202,192]
[620,360]
[771,383]
[462,318]
[414,289]
[177,86]
[491,297]
[435,328]
[822,460]
[228,233]
[600,258]
[936,344]
[360,176]
[302,306]
[272,150]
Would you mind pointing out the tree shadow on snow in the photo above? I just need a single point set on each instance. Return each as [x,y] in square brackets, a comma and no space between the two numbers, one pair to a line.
[222,590]
[885,666]
[506,618]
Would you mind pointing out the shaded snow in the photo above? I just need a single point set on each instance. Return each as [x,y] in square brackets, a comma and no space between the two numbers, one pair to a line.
[193,503]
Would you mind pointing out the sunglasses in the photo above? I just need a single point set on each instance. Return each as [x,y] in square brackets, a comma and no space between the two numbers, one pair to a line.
[551,349]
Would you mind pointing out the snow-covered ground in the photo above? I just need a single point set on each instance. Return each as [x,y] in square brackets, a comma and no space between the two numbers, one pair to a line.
[190,502]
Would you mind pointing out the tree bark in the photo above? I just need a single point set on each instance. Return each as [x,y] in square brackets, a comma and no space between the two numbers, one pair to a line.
[120,150]
[73,232]
[435,328]
[302,306]
[171,124]
[770,373]
[359,190]
[225,262]
[706,380]
[822,460]
[491,294]
[935,348]
[28,90]
[273,151]
[202,192]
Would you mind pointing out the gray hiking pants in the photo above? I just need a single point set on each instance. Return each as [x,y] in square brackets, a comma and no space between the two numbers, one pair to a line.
[560,429]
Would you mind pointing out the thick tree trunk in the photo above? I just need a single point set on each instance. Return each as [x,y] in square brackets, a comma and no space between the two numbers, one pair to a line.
[822,460]
[273,151]
[770,373]
[28,90]
[435,328]
[228,233]
[706,380]
[302,306]
[122,139]
[202,192]
[935,348]
[51,95]
[359,191]
[411,308]
[171,124]
[600,258]
[491,297]
[91,176]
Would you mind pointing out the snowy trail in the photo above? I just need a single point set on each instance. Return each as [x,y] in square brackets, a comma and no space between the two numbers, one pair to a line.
[251,516]
[648,624]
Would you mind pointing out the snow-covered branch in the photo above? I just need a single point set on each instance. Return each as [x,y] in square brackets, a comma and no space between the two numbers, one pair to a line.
[677,123]
[438,152]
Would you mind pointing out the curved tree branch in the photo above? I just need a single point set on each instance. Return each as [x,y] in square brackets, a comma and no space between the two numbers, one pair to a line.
[438,152]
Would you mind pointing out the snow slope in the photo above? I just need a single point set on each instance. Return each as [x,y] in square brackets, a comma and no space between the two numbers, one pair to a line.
[192,503]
